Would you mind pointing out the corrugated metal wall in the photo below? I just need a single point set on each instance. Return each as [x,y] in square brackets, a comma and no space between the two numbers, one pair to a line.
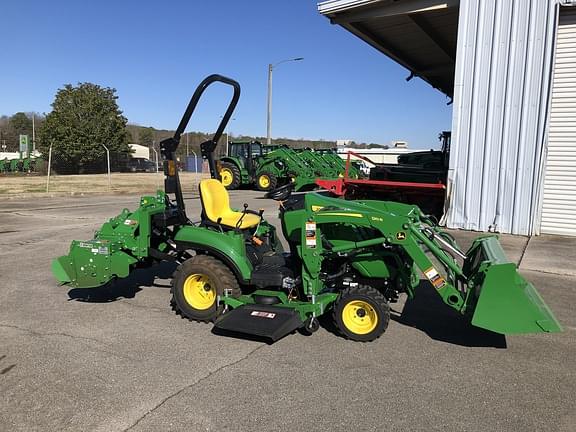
[501,98]
[559,194]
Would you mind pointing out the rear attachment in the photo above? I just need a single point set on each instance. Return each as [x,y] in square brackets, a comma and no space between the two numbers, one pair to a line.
[116,247]
[92,263]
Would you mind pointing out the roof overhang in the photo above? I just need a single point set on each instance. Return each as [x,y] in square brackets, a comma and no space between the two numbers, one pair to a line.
[418,34]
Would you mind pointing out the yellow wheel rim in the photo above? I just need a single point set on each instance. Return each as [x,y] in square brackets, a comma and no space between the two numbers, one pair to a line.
[199,292]
[359,317]
[227,176]
[264,181]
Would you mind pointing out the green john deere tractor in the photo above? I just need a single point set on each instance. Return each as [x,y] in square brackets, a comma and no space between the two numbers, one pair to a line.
[251,163]
[268,167]
[346,259]
[4,165]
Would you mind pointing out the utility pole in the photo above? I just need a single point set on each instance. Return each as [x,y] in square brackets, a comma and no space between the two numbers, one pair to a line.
[269,117]
[227,132]
[33,136]
[269,122]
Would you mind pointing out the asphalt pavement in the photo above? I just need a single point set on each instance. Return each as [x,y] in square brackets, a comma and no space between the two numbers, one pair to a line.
[77,360]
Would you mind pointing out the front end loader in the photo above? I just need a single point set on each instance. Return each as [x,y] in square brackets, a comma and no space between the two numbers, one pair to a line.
[346,259]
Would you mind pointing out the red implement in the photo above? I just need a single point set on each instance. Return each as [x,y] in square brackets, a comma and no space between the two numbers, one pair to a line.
[422,194]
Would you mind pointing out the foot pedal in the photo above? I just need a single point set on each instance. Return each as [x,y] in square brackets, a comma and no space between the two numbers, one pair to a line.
[265,321]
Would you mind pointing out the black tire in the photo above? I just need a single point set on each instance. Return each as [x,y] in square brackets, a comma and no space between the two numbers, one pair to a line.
[266,181]
[311,326]
[235,172]
[362,299]
[219,277]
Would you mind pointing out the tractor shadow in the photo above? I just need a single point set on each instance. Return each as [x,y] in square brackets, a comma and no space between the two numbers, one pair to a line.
[126,287]
[428,313]
[244,336]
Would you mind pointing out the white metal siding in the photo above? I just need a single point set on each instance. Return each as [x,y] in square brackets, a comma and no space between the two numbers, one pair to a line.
[501,101]
[559,197]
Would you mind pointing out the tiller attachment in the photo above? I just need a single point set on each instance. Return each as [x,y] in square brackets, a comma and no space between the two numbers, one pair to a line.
[92,264]
[498,298]
[116,248]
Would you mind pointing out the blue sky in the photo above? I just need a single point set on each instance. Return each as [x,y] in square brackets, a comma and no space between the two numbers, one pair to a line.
[155,53]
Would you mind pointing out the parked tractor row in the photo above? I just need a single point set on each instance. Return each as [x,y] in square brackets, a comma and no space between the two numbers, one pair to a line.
[249,163]
[26,165]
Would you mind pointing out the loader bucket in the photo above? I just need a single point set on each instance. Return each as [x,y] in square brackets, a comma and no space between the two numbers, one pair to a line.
[501,300]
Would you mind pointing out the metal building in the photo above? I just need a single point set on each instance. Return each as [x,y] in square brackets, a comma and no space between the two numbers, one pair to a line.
[510,67]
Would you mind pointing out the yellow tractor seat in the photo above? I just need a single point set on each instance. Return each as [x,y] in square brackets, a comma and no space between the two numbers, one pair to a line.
[216,206]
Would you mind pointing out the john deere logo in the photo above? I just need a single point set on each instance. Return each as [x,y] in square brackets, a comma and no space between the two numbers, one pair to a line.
[400,235]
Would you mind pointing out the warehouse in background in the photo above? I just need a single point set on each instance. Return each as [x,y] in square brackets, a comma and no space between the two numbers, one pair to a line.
[510,67]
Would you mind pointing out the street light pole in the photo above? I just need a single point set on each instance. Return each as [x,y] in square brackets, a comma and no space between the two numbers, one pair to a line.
[227,132]
[269,121]
[269,117]
[33,137]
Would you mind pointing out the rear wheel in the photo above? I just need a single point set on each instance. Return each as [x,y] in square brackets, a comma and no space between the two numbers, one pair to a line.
[196,285]
[361,313]
[230,175]
[266,181]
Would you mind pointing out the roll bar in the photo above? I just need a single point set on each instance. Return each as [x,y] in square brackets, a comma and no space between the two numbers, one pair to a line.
[168,146]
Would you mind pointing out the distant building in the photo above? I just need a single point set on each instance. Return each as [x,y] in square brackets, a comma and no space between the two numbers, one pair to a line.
[376,155]
[343,142]
[9,155]
[510,69]
[139,151]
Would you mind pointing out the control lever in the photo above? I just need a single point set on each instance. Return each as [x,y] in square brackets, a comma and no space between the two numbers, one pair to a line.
[242,217]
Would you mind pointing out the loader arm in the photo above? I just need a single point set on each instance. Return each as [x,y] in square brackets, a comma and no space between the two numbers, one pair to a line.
[485,286]
[481,283]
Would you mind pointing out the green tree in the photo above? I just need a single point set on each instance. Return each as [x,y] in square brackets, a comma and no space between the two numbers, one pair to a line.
[83,119]
[129,137]
[146,136]
[21,124]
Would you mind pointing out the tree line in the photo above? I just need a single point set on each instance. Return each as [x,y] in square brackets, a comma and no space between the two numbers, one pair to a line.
[86,119]
[18,124]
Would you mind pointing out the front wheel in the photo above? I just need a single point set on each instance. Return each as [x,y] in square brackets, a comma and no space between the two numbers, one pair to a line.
[266,181]
[361,313]
[230,175]
[196,285]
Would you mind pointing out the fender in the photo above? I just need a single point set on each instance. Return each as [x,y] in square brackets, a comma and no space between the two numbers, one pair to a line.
[228,247]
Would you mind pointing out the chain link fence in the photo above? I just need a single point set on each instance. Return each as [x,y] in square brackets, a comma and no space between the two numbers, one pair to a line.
[113,173]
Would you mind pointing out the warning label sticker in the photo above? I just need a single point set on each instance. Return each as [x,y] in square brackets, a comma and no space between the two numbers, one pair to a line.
[311,234]
[435,278]
[261,314]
